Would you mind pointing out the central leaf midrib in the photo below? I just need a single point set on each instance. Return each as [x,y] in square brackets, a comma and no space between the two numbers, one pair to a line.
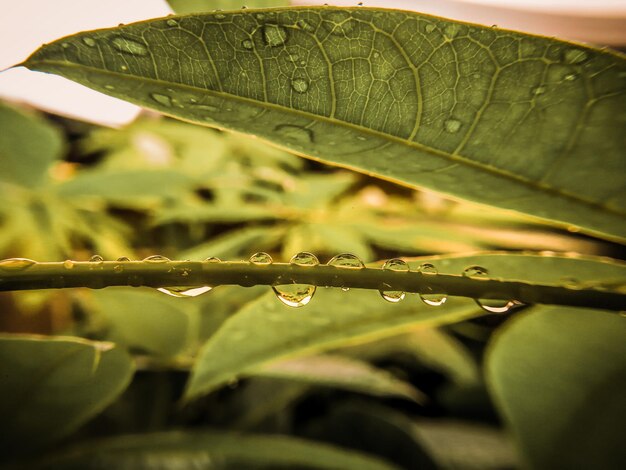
[459,159]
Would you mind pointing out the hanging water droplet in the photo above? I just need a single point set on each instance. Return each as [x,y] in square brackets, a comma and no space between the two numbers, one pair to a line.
[129,46]
[434,300]
[162,99]
[452,125]
[293,133]
[89,42]
[185,291]
[16,264]
[171,22]
[429,28]
[304,258]
[489,305]
[261,259]
[97,259]
[156,259]
[274,35]
[574,56]
[299,85]
[396,265]
[346,260]
[294,295]
[305,25]
[247,44]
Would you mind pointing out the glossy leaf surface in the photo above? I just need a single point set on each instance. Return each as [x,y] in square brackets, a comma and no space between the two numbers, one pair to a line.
[558,377]
[49,387]
[516,121]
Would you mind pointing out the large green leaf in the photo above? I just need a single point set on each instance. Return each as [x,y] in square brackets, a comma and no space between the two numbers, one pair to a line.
[266,330]
[28,146]
[212,449]
[50,386]
[502,118]
[558,375]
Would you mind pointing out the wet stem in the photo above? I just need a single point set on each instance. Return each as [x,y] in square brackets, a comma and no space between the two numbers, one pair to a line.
[212,273]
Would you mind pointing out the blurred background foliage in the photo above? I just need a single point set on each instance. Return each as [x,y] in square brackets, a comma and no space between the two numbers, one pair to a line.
[69,190]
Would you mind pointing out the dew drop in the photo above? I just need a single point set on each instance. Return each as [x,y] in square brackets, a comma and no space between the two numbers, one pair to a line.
[260,16]
[97,259]
[123,68]
[89,42]
[452,125]
[16,264]
[434,300]
[247,44]
[574,56]
[274,35]
[295,133]
[162,99]
[539,90]
[304,258]
[129,46]
[65,45]
[430,28]
[305,25]
[396,265]
[171,22]
[261,259]
[185,291]
[299,85]
[219,16]
[489,305]
[347,261]
[206,107]
[156,259]
[109,87]
[123,258]
[294,295]
[213,259]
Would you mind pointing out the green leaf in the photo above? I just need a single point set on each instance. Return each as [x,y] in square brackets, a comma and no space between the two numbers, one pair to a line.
[183,7]
[497,117]
[28,146]
[145,320]
[212,449]
[50,386]
[558,376]
[265,330]
[341,372]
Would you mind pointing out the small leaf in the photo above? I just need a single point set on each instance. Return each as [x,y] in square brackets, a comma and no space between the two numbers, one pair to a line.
[341,372]
[558,376]
[28,146]
[516,121]
[50,386]
[211,449]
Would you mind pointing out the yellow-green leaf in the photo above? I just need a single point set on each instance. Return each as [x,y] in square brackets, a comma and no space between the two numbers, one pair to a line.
[516,121]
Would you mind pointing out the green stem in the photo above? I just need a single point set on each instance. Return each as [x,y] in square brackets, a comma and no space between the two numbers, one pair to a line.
[97,275]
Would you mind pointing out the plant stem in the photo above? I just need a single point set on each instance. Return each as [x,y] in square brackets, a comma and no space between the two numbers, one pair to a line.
[97,275]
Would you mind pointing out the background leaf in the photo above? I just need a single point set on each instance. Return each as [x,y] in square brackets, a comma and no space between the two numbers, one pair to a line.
[50,386]
[558,376]
[491,116]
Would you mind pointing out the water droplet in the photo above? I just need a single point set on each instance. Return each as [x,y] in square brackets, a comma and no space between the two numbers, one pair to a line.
[396,265]
[539,90]
[452,125]
[109,87]
[123,68]
[123,258]
[274,35]
[65,45]
[299,85]
[129,46]
[574,56]
[171,22]
[303,63]
[489,305]
[205,107]
[219,16]
[294,133]
[430,28]
[305,25]
[16,264]
[294,295]
[96,259]
[161,99]
[213,259]
[156,259]
[247,44]
[261,259]
[185,291]
[260,16]
[345,289]
[434,300]
[346,260]
[89,42]
[570,77]
[304,258]
[452,30]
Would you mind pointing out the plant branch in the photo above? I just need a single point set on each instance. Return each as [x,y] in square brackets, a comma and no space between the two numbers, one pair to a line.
[96,275]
